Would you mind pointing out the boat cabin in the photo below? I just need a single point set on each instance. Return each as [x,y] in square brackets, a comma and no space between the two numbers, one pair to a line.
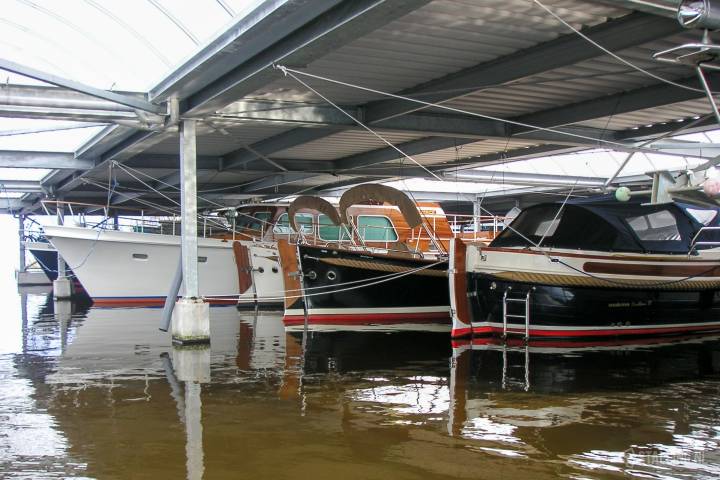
[607,225]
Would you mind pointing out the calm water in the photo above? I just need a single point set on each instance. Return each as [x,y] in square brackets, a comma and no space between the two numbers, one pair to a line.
[99,393]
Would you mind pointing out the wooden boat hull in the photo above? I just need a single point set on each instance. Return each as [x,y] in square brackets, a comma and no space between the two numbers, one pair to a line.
[357,288]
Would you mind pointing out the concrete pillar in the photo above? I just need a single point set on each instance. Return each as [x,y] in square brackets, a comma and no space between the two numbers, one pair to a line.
[62,286]
[21,235]
[191,317]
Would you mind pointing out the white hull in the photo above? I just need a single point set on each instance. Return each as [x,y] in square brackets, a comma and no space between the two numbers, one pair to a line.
[117,267]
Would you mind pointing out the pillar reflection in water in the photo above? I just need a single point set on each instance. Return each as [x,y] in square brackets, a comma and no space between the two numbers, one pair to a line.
[191,365]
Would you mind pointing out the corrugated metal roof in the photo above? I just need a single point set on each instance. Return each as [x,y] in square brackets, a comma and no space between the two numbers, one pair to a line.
[221,140]
[344,144]
[582,81]
[441,38]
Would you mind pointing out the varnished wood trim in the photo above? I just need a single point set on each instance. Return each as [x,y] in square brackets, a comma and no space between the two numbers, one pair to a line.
[652,270]
[460,281]
[289,263]
[244,268]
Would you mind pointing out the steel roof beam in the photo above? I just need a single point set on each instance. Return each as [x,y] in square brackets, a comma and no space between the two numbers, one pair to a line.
[329,24]
[116,98]
[247,37]
[618,34]
[27,186]
[655,8]
[324,115]
[51,160]
[642,98]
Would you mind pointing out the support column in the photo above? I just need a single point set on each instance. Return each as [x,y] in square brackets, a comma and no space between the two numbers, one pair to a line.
[62,286]
[21,235]
[191,317]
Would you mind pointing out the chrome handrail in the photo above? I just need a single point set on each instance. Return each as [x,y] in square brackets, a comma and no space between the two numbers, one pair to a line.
[695,242]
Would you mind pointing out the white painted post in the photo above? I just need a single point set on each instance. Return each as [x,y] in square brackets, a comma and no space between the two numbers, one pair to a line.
[62,287]
[191,318]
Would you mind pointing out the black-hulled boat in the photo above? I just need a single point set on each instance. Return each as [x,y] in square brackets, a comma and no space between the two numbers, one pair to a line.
[589,268]
[361,282]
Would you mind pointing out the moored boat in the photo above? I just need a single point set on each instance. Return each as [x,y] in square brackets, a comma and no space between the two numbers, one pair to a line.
[592,268]
[391,270]
[130,267]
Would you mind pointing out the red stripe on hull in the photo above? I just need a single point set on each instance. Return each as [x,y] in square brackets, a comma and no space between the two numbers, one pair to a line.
[614,332]
[461,332]
[152,302]
[575,343]
[368,318]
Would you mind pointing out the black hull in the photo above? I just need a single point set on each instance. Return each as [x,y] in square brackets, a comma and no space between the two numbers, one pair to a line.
[351,297]
[47,259]
[557,311]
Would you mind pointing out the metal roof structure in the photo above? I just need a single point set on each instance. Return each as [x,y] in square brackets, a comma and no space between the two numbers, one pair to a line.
[502,82]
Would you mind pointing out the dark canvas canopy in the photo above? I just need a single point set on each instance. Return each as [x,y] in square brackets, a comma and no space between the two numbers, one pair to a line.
[605,224]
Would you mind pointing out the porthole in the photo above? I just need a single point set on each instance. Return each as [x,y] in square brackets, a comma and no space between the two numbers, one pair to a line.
[311,275]
[331,275]
[140,256]
[261,270]
[275,269]
[202,259]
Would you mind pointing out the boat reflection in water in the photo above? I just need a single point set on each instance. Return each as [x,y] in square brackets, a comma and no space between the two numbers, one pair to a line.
[269,402]
[610,406]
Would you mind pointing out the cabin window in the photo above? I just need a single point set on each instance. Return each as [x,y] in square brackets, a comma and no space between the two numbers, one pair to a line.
[253,221]
[702,215]
[260,220]
[376,228]
[329,231]
[140,256]
[283,226]
[660,225]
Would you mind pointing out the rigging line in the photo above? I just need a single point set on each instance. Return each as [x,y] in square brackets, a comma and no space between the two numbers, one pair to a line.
[356,287]
[614,55]
[562,206]
[474,114]
[152,189]
[370,130]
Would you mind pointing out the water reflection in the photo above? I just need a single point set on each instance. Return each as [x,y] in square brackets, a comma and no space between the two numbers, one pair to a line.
[106,396]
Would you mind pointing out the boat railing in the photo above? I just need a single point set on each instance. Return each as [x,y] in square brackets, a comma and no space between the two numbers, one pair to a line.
[696,242]
[82,215]
[418,239]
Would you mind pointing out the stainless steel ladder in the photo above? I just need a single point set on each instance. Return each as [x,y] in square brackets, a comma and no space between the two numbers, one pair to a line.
[525,317]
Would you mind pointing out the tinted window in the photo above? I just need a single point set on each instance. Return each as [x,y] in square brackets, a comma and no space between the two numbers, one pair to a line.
[660,225]
[254,221]
[328,231]
[376,228]
[304,219]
